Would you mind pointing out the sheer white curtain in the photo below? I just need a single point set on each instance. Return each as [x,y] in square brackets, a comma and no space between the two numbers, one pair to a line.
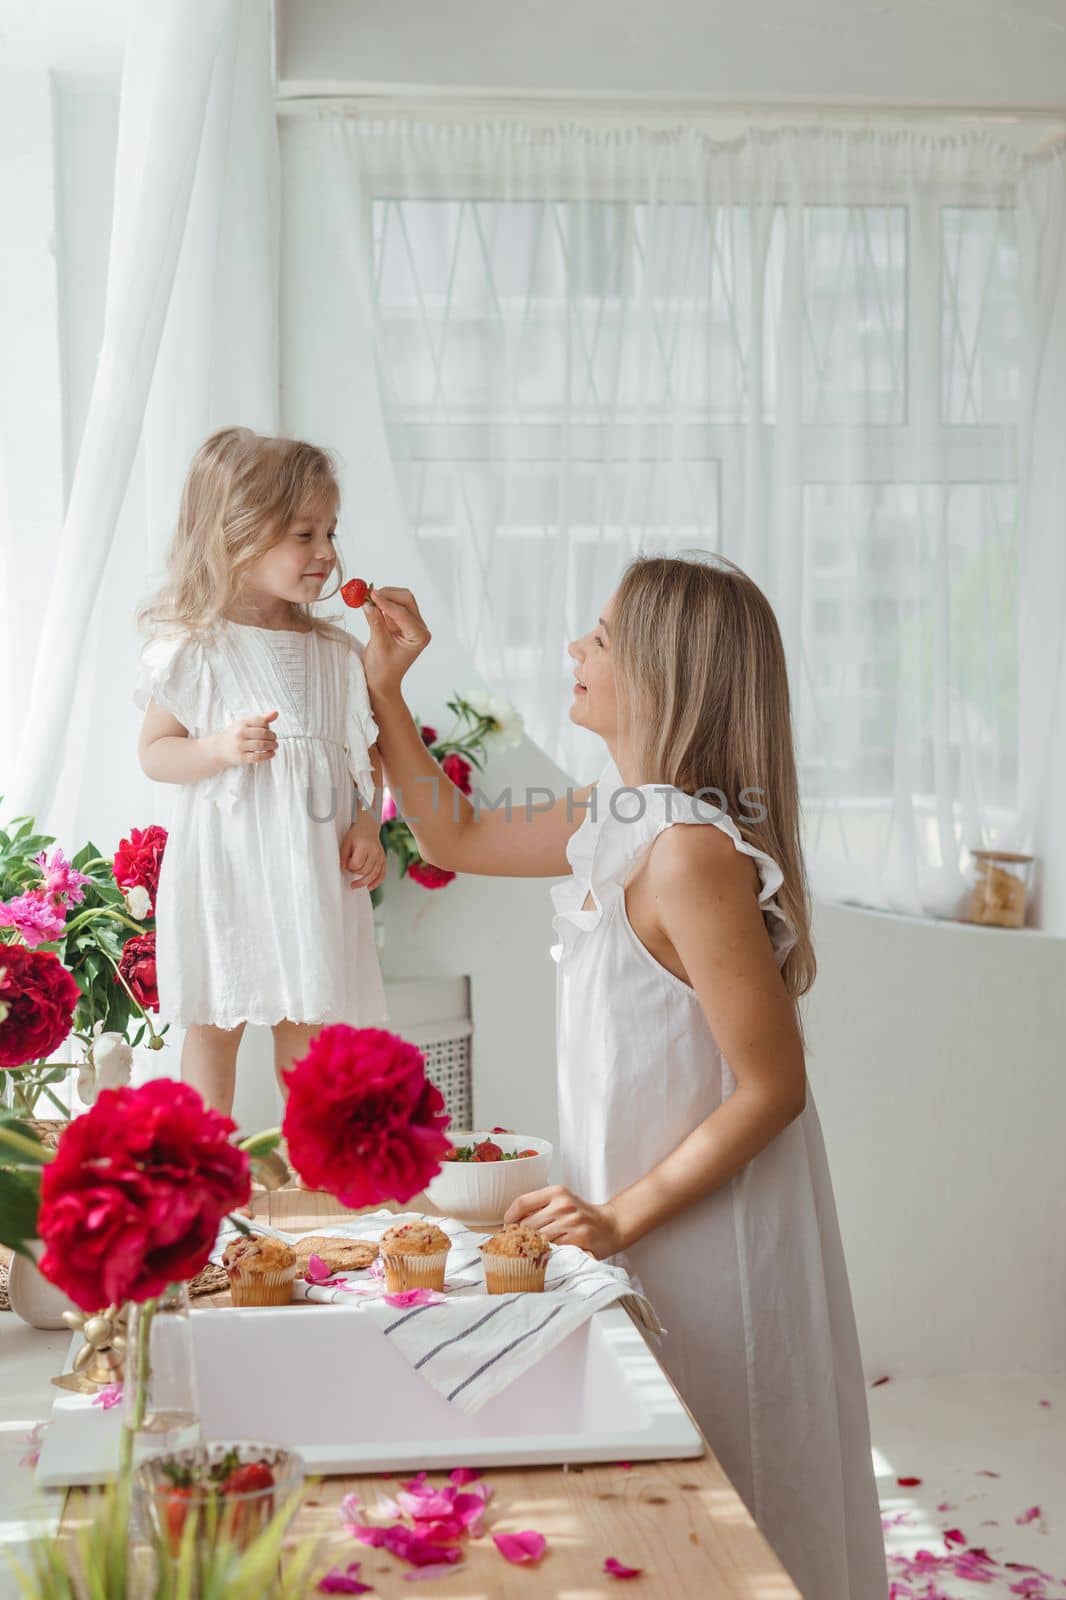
[189,343]
[821,352]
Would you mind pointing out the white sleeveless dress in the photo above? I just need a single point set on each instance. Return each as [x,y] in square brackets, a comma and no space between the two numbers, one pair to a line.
[750,1282]
[255,918]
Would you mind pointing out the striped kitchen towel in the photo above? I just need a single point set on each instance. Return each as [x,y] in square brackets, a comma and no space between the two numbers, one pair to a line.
[471,1345]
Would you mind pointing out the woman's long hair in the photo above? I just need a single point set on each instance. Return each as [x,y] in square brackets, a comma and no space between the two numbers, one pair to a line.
[703,703]
[241,493]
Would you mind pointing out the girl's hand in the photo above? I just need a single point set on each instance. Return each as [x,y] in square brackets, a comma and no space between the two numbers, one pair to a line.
[362,854]
[564,1218]
[397,636]
[247,740]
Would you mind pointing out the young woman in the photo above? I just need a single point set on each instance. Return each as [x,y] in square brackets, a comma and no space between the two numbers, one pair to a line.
[691,1147]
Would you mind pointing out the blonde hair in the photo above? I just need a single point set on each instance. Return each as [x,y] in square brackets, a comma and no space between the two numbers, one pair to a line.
[242,491]
[703,703]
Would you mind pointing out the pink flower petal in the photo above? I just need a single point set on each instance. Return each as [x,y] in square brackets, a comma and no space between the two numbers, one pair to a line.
[614,1569]
[954,1536]
[414,1297]
[426,1504]
[318,1273]
[109,1396]
[408,1545]
[464,1475]
[1031,1515]
[520,1548]
[945,1505]
[344,1581]
[879,1381]
[908,1483]
[1046,1404]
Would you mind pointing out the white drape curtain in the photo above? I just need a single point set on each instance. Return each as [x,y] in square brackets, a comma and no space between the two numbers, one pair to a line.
[189,343]
[836,356]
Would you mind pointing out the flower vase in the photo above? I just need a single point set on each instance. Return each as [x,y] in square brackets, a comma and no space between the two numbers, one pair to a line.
[36,1301]
[160,1398]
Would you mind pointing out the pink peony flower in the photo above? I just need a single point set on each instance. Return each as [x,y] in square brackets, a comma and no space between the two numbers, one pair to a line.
[428,876]
[362,1122]
[60,878]
[38,918]
[135,1195]
[457,769]
[388,807]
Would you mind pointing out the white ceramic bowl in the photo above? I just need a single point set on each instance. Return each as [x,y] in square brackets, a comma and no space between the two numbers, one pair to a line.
[481,1191]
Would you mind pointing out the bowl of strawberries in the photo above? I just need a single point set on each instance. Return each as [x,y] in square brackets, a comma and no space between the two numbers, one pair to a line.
[486,1171]
[229,1490]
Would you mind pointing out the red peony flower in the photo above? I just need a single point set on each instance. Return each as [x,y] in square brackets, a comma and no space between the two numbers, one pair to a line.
[361,1121]
[429,736]
[39,996]
[137,966]
[457,768]
[139,858]
[428,876]
[136,1193]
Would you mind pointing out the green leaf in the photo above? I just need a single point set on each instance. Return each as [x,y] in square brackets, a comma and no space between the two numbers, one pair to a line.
[18,1155]
[19,1203]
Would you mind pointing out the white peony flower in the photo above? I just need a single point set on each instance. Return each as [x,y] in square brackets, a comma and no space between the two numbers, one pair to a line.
[109,1065]
[138,902]
[509,729]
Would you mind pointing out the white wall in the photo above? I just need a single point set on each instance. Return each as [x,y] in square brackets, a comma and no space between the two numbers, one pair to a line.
[937,1055]
[952,53]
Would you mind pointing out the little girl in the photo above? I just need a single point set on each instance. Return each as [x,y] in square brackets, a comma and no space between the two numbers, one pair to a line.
[258,709]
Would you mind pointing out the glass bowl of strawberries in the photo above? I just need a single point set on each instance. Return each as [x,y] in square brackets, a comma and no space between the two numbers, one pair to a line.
[486,1171]
[229,1490]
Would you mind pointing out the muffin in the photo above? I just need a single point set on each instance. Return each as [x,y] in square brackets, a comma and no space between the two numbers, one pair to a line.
[261,1270]
[516,1260]
[339,1255]
[414,1255]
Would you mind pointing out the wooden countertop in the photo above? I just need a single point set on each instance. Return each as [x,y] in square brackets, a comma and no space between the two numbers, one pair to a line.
[682,1522]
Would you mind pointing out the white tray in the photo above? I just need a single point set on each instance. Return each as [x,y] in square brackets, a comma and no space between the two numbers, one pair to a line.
[323,1380]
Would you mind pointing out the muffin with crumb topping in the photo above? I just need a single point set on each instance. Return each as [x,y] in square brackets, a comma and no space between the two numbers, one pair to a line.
[516,1260]
[414,1256]
[261,1270]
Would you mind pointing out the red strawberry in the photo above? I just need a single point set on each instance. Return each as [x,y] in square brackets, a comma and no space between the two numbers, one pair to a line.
[529,1152]
[249,1479]
[355,591]
[487,1151]
[175,1510]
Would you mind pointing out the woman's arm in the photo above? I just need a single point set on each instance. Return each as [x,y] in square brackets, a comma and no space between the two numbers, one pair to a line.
[706,908]
[514,839]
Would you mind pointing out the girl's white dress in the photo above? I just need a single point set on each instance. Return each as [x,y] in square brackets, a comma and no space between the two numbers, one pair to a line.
[255,918]
[750,1282]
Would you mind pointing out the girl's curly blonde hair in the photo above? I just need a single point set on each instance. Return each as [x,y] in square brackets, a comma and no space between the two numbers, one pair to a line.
[243,490]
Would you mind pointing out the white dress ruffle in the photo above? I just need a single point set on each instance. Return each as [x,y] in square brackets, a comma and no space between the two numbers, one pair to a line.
[255,919]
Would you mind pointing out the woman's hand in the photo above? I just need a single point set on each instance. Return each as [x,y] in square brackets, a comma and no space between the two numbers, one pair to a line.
[397,636]
[564,1218]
